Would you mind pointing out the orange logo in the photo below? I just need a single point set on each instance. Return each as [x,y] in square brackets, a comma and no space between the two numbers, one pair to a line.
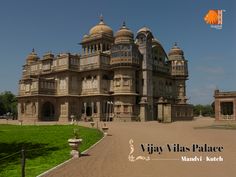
[214,18]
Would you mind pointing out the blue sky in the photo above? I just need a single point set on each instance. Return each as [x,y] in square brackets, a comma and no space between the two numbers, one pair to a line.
[59,25]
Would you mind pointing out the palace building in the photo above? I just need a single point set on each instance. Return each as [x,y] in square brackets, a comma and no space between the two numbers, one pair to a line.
[225,106]
[116,77]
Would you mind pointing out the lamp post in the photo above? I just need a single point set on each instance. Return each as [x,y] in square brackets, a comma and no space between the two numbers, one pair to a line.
[72,118]
[109,110]
[111,104]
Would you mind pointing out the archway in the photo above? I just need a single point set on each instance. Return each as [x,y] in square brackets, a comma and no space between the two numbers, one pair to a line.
[89,111]
[48,112]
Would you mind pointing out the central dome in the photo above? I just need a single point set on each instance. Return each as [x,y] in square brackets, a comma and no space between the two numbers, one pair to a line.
[101,28]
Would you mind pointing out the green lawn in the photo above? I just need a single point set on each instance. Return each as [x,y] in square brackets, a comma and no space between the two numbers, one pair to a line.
[46,147]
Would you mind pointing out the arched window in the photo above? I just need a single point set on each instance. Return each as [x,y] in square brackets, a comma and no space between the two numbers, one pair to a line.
[48,111]
[83,108]
[105,77]
[95,110]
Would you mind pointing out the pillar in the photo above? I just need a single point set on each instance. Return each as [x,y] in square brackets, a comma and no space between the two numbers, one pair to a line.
[101,47]
[143,112]
[86,50]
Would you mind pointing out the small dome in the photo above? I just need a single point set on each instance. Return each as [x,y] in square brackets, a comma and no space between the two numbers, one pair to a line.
[101,28]
[85,36]
[32,57]
[144,29]
[124,35]
[176,50]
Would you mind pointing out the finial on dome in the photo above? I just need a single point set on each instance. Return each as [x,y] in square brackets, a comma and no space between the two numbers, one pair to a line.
[33,50]
[175,44]
[101,18]
[123,24]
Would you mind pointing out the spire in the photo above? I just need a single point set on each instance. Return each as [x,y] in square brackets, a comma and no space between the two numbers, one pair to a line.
[101,18]
[123,24]
[33,50]
[175,46]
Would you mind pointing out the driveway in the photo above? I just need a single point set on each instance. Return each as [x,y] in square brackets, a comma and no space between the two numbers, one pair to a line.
[109,158]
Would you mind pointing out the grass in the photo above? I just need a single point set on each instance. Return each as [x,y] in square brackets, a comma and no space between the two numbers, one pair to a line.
[223,126]
[45,146]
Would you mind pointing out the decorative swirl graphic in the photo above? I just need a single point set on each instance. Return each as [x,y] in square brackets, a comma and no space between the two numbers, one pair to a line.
[131,157]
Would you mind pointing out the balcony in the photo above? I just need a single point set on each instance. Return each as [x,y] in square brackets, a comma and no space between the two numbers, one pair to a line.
[94,61]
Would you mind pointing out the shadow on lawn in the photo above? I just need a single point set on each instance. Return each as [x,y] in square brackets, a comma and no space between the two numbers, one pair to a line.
[32,150]
[223,127]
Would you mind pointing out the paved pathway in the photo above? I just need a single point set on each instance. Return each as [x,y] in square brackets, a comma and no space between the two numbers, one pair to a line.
[110,157]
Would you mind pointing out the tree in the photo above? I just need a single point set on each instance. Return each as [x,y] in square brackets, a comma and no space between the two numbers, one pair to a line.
[205,110]
[8,103]
[2,108]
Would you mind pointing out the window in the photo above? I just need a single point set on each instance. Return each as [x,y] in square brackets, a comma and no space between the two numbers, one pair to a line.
[94,82]
[62,62]
[118,109]
[22,87]
[82,108]
[46,66]
[74,61]
[126,109]
[27,87]
[226,108]
[41,85]
[74,82]
[105,77]
[95,108]
[62,84]
[126,82]
[177,114]
[117,82]
[34,67]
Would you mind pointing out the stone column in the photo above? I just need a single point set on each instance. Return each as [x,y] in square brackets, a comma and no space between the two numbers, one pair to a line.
[85,108]
[92,105]
[167,113]
[143,113]
[19,110]
[160,112]
[101,47]
[217,109]
[99,82]
[99,112]
[86,50]
[234,109]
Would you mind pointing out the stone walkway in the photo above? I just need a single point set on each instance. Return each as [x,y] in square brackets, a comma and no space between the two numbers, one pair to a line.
[110,157]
